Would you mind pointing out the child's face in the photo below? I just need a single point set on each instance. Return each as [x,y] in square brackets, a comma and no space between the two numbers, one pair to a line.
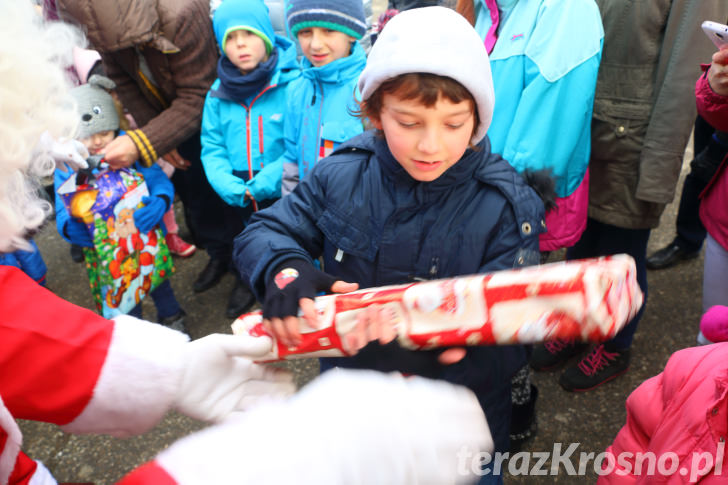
[96,143]
[322,46]
[426,141]
[245,50]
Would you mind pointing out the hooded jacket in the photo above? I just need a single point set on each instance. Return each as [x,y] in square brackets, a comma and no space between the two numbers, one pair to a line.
[544,77]
[318,114]
[242,143]
[713,207]
[373,224]
[162,56]
[680,414]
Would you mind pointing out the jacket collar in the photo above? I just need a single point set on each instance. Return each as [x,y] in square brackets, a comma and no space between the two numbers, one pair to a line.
[470,165]
[286,68]
[338,71]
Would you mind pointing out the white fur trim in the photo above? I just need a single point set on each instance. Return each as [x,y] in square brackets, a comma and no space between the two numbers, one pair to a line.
[138,381]
[435,40]
[9,452]
[347,426]
[42,476]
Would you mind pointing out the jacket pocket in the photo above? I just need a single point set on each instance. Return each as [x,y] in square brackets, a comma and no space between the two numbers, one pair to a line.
[617,138]
[347,237]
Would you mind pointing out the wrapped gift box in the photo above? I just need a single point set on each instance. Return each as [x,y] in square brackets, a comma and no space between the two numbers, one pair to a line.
[124,265]
[587,300]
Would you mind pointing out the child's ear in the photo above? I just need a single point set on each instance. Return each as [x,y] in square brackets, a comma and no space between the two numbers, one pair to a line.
[376,123]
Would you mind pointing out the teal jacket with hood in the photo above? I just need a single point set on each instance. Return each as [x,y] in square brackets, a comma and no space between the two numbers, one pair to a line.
[242,142]
[319,114]
[544,66]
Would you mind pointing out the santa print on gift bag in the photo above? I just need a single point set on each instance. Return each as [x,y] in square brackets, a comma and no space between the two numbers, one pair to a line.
[124,265]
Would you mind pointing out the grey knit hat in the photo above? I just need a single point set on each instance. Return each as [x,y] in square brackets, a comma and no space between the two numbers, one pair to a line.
[96,106]
[346,16]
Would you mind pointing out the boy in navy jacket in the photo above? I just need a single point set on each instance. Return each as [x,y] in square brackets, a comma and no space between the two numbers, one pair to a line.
[422,197]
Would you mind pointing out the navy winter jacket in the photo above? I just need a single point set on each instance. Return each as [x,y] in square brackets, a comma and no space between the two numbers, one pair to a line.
[479,216]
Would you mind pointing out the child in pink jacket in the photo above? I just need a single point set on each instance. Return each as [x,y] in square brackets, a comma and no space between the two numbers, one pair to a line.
[711,93]
[677,424]
[677,421]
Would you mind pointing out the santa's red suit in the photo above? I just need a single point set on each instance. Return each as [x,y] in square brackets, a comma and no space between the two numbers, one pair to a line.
[60,363]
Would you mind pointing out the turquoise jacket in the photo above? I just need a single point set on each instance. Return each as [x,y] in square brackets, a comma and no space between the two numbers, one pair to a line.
[544,67]
[242,141]
[319,114]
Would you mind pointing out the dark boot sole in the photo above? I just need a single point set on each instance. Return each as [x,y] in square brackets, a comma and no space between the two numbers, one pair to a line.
[610,378]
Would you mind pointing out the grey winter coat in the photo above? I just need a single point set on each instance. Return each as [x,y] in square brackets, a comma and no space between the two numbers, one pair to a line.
[644,107]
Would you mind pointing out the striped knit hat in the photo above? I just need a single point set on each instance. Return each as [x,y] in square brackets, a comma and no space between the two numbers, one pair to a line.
[346,16]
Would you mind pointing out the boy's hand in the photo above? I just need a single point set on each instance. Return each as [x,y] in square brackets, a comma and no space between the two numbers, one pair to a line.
[373,323]
[176,160]
[121,152]
[718,73]
[295,284]
[149,216]
[452,356]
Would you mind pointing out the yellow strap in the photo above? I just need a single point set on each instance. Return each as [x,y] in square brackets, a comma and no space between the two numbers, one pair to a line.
[153,89]
[152,151]
[146,160]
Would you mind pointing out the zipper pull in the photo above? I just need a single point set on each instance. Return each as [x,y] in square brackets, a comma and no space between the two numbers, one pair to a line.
[313,99]
[433,267]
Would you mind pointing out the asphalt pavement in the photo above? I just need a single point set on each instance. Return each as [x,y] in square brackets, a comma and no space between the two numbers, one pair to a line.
[589,419]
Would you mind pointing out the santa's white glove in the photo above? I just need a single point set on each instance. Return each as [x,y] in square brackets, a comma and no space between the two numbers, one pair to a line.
[353,427]
[65,152]
[219,378]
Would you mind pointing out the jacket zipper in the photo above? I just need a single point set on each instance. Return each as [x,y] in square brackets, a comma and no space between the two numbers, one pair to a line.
[260,137]
[433,267]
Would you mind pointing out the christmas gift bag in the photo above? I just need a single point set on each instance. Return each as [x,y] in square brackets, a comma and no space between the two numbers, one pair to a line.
[124,265]
[588,300]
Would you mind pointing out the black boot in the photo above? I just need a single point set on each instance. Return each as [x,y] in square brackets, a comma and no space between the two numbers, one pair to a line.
[76,253]
[240,301]
[523,421]
[670,255]
[211,275]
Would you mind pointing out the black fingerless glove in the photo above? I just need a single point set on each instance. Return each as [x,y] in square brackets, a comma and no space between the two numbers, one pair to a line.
[292,280]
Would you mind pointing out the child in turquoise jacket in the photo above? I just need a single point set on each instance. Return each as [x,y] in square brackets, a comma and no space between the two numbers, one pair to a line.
[242,121]
[319,114]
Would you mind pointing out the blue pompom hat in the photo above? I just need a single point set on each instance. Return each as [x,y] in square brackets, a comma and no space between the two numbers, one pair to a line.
[346,16]
[250,15]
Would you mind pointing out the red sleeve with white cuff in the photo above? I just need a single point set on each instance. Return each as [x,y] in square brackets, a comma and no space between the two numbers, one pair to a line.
[66,365]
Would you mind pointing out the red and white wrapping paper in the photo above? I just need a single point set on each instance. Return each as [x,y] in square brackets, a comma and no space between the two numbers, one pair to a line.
[589,300]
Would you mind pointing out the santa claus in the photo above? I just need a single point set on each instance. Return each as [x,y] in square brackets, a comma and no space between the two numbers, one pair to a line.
[119,377]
